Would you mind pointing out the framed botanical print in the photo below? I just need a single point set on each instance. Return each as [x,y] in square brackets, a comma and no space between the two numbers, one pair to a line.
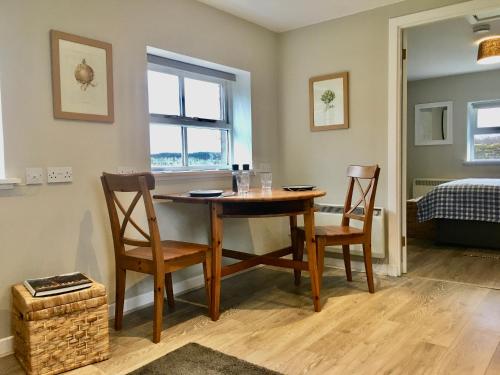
[82,78]
[329,101]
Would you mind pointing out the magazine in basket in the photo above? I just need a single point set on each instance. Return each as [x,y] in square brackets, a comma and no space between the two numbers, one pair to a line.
[48,286]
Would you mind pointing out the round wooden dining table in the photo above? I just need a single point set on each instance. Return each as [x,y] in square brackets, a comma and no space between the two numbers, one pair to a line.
[258,203]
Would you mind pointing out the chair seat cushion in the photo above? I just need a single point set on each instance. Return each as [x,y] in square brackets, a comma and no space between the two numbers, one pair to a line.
[172,250]
[335,230]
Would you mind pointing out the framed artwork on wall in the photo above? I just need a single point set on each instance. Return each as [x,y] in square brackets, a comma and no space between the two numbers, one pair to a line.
[329,101]
[82,78]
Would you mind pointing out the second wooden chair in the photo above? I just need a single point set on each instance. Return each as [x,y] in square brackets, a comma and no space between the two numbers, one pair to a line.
[346,235]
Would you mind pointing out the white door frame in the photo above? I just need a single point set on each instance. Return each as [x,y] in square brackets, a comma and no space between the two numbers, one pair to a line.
[395,131]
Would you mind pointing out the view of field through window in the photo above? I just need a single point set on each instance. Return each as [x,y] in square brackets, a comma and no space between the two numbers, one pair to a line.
[487,146]
[205,147]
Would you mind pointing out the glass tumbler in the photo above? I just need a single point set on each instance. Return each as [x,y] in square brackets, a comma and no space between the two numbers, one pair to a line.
[266,181]
[243,181]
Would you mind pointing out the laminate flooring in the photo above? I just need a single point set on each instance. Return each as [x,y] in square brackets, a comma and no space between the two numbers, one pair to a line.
[415,324]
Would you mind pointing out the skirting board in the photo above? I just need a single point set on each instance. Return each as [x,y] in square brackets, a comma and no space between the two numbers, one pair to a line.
[6,346]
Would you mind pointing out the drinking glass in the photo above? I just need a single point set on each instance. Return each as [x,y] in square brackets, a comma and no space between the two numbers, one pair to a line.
[266,181]
[243,182]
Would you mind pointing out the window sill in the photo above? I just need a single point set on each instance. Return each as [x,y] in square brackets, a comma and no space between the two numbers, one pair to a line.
[481,162]
[9,183]
[190,175]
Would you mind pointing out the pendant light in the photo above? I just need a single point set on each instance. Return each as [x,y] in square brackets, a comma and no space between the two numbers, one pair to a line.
[488,51]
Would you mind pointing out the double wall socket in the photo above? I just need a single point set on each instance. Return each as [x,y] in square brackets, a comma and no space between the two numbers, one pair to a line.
[126,170]
[57,175]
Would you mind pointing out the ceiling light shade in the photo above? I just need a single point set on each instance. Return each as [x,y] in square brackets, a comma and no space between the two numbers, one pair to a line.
[489,51]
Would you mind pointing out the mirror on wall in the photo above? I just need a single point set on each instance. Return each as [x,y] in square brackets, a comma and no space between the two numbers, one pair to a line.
[433,124]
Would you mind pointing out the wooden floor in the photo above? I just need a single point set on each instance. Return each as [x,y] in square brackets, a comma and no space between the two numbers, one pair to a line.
[460,264]
[412,325]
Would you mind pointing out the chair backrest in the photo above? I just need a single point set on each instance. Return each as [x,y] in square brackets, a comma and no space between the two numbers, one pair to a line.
[141,184]
[362,208]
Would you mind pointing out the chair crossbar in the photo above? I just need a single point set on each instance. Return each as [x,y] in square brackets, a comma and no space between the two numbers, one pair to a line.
[127,216]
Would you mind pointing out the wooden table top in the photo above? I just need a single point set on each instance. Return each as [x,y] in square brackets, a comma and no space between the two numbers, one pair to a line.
[255,195]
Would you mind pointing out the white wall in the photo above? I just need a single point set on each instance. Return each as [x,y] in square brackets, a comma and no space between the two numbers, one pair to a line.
[447,161]
[52,229]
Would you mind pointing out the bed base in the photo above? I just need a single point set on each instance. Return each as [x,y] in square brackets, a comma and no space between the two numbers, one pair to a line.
[468,233]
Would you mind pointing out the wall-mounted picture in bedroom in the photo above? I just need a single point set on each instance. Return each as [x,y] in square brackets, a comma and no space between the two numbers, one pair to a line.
[329,101]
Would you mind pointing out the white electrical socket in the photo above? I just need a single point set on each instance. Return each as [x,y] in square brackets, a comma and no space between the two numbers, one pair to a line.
[126,170]
[34,176]
[59,175]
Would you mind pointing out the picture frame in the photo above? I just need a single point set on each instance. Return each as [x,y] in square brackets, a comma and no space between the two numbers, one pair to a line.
[329,101]
[82,78]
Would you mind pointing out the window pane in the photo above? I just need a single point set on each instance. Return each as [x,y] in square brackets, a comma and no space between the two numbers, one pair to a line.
[165,146]
[486,146]
[163,92]
[488,117]
[207,147]
[203,99]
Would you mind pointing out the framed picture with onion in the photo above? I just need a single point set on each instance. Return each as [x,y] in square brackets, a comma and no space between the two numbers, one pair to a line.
[82,78]
[329,101]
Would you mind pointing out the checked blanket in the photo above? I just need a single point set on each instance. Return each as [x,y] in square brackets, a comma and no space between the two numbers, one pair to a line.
[468,199]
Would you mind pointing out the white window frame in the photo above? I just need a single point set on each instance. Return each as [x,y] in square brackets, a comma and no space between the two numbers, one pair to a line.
[226,123]
[472,128]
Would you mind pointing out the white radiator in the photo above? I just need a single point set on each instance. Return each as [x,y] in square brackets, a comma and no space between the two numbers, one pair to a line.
[330,214]
[422,186]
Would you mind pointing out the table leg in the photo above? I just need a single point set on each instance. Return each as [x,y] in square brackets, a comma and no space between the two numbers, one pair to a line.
[312,259]
[296,248]
[217,232]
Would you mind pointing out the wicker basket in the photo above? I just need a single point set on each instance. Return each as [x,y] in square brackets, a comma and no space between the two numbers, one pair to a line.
[59,333]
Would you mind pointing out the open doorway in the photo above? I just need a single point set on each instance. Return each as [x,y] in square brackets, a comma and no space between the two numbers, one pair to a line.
[451,157]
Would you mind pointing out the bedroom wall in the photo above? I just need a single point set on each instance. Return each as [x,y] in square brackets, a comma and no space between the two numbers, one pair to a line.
[52,229]
[447,161]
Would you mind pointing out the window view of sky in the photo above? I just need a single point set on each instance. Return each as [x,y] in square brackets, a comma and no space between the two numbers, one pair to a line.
[488,117]
[202,99]
[165,138]
[203,140]
[163,92]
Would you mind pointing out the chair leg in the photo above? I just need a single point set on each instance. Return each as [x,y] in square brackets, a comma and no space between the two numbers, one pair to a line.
[298,254]
[321,243]
[159,297]
[347,261]
[367,254]
[207,272]
[170,290]
[119,297]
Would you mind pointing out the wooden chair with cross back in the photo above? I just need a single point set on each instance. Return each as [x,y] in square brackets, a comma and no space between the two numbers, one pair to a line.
[149,255]
[344,234]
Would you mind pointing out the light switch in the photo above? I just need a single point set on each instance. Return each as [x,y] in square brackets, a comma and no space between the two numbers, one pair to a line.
[34,176]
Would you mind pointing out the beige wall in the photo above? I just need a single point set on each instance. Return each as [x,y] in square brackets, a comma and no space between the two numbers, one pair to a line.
[357,44]
[447,161]
[52,229]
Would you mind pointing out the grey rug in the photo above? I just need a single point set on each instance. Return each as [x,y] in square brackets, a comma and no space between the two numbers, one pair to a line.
[195,359]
